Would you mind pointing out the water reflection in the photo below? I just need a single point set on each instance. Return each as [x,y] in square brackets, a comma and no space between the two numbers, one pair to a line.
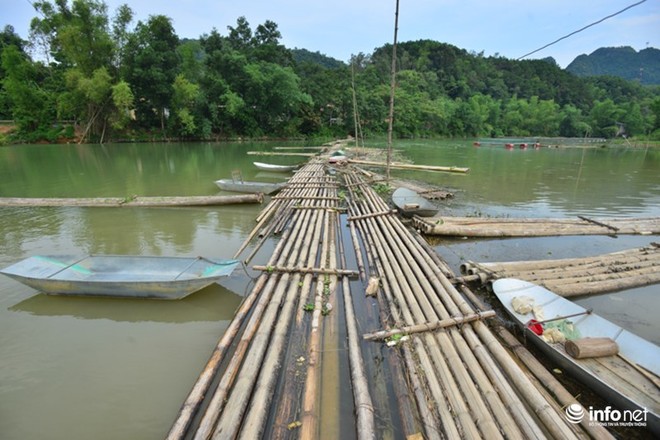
[213,303]
[616,181]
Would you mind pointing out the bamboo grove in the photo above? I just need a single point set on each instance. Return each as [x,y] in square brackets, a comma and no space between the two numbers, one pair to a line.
[98,75]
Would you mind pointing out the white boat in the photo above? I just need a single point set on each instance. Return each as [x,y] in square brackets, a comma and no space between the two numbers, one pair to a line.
[628,380]
[273,167]
[119,275]
[337,159]
[244,186]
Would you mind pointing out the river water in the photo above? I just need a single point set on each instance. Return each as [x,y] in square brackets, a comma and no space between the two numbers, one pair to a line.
[78,368]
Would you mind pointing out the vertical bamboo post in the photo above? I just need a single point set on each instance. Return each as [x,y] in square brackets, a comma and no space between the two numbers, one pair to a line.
[390,119]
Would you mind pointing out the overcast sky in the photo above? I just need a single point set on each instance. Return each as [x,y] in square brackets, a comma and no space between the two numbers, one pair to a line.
[340,28]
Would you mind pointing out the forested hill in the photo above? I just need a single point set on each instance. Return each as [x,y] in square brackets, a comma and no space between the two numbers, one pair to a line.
[623,62]
[117,80]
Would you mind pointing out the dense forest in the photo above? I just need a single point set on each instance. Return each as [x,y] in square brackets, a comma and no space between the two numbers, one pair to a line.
[96,76]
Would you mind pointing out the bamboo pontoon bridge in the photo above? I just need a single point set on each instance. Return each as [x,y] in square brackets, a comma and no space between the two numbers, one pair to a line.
[304,356]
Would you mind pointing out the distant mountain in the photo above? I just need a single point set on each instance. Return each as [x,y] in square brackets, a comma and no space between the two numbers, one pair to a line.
[304,55]
[624,62]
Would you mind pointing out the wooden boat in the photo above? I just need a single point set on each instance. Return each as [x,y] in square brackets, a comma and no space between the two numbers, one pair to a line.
[119,275]
[244,186]
[411,203]
[272,167]
[628,380]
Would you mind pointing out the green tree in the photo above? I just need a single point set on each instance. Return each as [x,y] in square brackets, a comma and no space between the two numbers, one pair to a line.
[123,100]
[32,108]
[8,38]
[603,118]
[78,35]
[273,97]
[183,106]
[150,68]
[80,39]
[573,123]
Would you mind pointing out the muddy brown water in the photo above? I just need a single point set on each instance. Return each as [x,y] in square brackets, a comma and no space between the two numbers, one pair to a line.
[77,368]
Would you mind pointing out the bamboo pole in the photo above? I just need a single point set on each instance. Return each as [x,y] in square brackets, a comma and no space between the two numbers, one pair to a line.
[551,421]
[256,417]
[310,413]
[419,328]
[390,118]
[361,396]
[532,227]
[512,402]
[400,166]
[544,377]
[217,403]
[273,153]
[304,270]
[299,148]
[579,276]
[631,255]
[589,267]
[374,214]
[289,403]
[464,384]
[133,201]
[402,380]
[192,404]
[490,395]
[429,363]
[329,394]
[428,413]
[254,423]
[194,400]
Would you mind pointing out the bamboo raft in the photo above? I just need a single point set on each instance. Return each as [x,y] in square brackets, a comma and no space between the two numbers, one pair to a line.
[572,277]
[533,227]
[134,201]
[295,363]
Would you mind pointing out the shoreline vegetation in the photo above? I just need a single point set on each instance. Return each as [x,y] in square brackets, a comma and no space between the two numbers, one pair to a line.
[90,75]
[523,142]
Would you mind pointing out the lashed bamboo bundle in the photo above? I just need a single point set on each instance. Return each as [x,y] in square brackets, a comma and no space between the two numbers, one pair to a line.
[578,276]
[309,181]
[243,400]
[533,227]
[466,373]
[544,377]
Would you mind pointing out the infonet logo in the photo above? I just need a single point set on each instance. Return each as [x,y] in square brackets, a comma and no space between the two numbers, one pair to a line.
[575,413]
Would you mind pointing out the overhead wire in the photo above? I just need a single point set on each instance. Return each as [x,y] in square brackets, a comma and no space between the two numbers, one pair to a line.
[581,29]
